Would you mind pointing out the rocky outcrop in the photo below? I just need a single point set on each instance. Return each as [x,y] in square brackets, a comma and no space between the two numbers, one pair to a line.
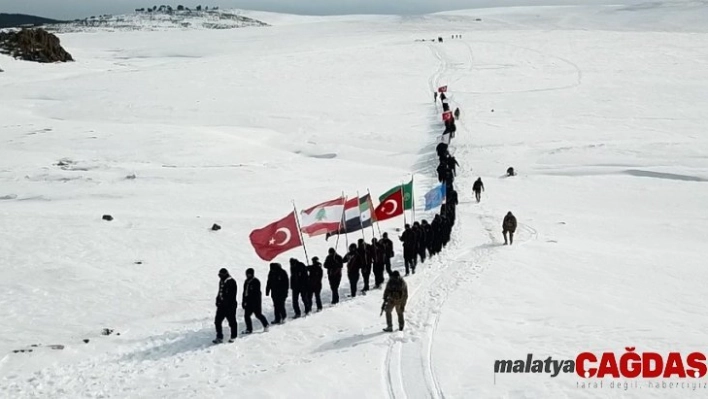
[36,45]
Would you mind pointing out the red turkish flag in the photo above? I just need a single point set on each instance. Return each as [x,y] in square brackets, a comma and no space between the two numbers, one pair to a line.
[276,238]
[442,89]
[447,115]
[390,207]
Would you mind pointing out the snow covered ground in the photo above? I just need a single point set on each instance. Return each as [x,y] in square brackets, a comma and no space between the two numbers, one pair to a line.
[600,109]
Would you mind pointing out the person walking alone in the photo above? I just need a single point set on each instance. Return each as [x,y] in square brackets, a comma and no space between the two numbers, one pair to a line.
[395,297]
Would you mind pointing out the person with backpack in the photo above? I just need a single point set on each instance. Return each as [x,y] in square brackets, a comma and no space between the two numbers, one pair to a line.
[395,297]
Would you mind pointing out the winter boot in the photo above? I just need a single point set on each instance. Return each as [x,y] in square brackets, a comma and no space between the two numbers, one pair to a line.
[218,341]
[388,329]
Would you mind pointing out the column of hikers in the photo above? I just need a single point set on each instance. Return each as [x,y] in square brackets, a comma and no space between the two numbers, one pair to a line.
[421,241]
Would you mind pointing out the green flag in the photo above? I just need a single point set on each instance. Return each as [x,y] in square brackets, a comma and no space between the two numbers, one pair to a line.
[407,194]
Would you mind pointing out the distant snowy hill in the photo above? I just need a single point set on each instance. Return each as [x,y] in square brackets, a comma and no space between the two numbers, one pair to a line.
[163,19]
[18,20]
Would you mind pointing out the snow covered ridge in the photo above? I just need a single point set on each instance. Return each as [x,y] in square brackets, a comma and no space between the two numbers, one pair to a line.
[164,19]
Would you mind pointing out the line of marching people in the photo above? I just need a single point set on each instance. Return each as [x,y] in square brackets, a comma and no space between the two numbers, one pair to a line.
[421,241]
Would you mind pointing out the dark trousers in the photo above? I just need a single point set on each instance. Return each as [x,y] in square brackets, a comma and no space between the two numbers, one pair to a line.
[353,280]
[399,310]
[318,301]
[378,274]
[410,258]
[421,253]
[306,300]
[478,195]
[228,313]
[366,274]
[259,316]
[387,263]
[279,309]
[296,303]
[511,237]
[334,286]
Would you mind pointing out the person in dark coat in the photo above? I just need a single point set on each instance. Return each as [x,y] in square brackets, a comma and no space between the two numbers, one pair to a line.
[478,187]
[452,164]
[354,265]
[436,226]
[277,288]
[445,227]
[409,254]
[457,113]
[419,241]
[379,261]
[428,231]
[226,305]
[251,301]
[333,264]
[435,97]
[509,226]
[387,245]
[442,171]
[365,252]
[452,202]
[441,150]
[314,275]
[510,172]
[299,286]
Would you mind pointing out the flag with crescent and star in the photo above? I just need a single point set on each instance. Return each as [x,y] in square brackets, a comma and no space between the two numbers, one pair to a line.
[276,238]
[390,206]
[407,194]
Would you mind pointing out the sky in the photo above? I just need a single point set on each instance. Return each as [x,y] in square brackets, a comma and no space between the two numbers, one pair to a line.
[73,9]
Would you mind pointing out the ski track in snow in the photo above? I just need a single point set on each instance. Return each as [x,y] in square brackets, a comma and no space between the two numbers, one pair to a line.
[409,361]
[409,365]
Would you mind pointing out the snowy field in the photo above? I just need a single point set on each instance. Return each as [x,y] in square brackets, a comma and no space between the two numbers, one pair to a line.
[601,110]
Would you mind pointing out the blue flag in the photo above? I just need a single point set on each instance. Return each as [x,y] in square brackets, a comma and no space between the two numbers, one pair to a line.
[435,197]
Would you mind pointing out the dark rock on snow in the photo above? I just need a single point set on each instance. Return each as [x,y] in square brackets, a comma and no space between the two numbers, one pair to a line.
[36,45]
[107,217]
[215,227]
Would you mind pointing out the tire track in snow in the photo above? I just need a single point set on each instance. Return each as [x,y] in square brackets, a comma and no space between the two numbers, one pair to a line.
[409,362]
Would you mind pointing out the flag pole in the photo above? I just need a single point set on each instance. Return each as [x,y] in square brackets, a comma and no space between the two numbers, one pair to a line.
[361,224]
[376,220]
[302,239]
[403,197]
[336,245]
[412,197]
